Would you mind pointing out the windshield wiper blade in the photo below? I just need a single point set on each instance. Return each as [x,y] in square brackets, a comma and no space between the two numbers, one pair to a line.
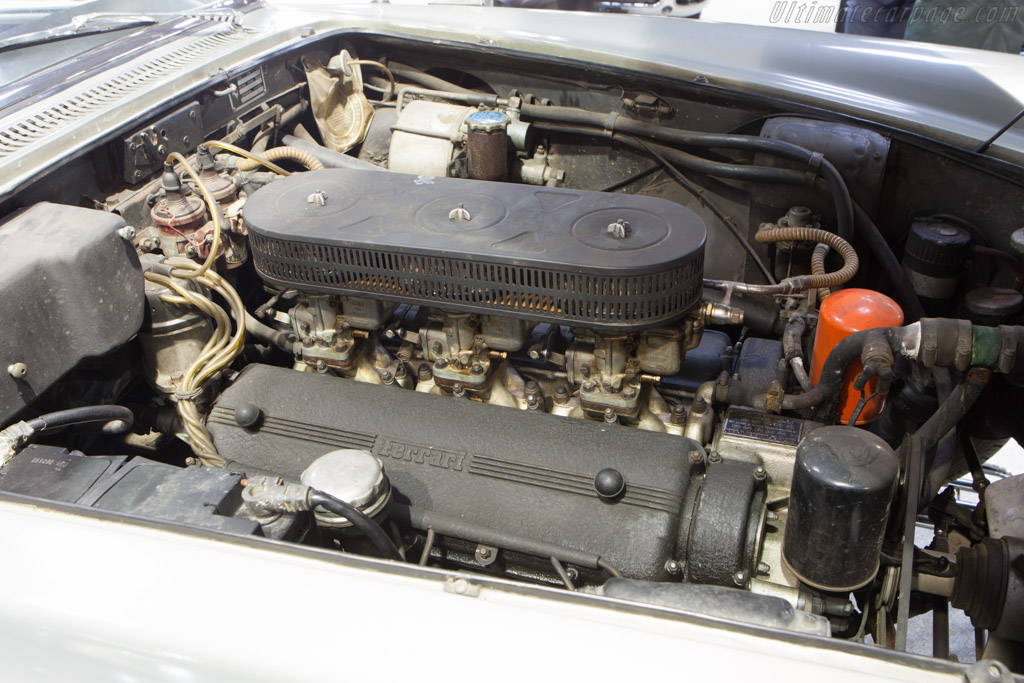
[82,25]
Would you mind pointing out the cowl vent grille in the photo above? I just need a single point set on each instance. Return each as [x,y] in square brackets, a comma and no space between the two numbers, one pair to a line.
[49,121]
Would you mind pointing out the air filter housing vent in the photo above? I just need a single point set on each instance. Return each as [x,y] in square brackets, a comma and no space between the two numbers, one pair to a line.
[604,261]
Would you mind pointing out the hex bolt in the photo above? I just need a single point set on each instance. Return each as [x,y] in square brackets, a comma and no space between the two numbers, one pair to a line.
[678,415]
[696,457]
[588,387]
[458,391]
[714,456]
[628,393]
[673,567]
[740,578]
[423,373]
[387,377]
[760,473]
[699,406]
[440,364]
[321,366]
[561,394]
[609,416]
[17,370]
[477,369]
[485,553]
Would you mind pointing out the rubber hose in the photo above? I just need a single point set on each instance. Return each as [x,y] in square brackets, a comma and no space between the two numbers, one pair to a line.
[328,157]
[717,169]
[63,418]
[255,328]
[360,521]
[817,280]
[299,156]
[949,414]
[616,123]
[426,80]
[792,347]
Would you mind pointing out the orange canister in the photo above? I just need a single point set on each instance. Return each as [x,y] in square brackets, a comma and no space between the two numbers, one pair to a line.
[843,313]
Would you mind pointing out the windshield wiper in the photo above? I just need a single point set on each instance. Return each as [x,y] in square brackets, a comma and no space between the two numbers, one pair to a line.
[82,25]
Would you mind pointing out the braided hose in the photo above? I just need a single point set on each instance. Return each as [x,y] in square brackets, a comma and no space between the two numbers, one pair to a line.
[799,283]
[299,156]
[817,281]
[818,266]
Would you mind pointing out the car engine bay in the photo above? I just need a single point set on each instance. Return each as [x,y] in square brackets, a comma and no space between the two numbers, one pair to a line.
[557,323]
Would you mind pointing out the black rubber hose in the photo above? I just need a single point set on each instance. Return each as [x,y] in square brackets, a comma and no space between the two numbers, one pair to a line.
[73,416]
[949,414]
[328,157]
[692,162]
[903,290]
[258,330]
[695,191]
[717,169]
[426,80]
[683,138]
[360,521]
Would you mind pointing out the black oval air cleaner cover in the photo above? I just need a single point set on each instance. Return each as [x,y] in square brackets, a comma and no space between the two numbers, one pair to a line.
[599,260]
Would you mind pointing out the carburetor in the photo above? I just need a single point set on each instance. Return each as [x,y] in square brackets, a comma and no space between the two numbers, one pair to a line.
[465,276]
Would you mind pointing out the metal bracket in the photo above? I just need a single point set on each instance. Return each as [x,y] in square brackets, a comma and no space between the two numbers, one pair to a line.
[146,149]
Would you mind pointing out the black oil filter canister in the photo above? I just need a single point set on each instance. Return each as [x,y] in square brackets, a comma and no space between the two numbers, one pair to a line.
[843,483]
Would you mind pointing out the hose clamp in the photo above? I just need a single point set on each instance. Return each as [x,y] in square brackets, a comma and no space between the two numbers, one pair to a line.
[609,122]
[188,395]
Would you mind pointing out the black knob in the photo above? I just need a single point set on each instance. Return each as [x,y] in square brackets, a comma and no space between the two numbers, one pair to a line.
[609,483]
[248,416]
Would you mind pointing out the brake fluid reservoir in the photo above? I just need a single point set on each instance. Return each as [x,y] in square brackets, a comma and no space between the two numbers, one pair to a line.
[843,313]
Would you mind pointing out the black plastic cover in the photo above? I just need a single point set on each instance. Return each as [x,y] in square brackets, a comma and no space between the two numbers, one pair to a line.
[544,254]
[198,497]
[72,289]
[524,473]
